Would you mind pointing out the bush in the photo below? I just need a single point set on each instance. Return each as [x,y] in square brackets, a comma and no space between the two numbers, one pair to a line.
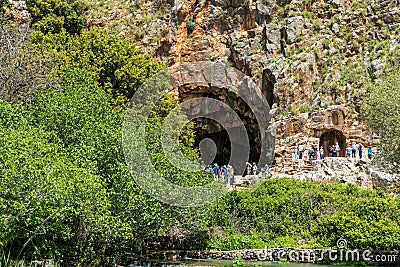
[294,111]
[54,15]
[190,25]
[4,5]
[304,109]
[23,72]
[66,192]
[50,206]
[115,63]
[290,213]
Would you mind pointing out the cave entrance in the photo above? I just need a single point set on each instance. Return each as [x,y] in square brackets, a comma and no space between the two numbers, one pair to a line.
[330,138]
[221,151]
[210,135]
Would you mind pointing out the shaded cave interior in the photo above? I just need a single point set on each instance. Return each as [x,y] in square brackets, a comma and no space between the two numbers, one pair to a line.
[207,129]
[330,138]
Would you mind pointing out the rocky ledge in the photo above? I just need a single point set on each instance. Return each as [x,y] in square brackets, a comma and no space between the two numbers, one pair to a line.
[363,172]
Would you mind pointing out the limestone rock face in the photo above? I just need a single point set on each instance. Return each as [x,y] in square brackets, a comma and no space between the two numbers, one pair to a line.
[294,26]
[383,180]
[273,36]
[307,41]
[320,127]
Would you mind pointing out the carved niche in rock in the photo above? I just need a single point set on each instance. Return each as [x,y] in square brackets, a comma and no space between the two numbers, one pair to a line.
[335,118]
[330,138]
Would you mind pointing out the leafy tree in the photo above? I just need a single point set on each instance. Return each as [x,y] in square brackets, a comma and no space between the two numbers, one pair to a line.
[54,15]
[22,72]
[381,110]
[89,131]
[64,179]
[114,62]
[82,117]
[49,206]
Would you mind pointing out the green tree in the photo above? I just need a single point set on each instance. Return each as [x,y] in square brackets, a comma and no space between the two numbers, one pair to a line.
[55,15]
[381,110]
[88,129]
[84,121]
[114,62]
[4,4]
[49,206]
[22,72]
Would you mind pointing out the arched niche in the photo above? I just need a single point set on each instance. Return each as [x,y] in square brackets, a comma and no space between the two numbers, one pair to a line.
[330,138]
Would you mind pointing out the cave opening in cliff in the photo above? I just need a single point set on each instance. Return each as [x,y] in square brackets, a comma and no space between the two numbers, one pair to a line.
[213,137]
[268,84]
[330,138]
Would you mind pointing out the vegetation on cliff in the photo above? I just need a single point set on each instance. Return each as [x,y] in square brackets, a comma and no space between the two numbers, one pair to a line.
[114,62]
[55,15]
[382,111]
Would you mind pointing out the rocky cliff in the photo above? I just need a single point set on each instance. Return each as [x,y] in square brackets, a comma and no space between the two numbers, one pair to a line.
[311,58]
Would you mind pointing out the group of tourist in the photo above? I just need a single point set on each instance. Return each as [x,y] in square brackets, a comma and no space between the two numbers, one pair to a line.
[304,153]
[334,150]
[225,173]
[251,169]
[301,154]
[352,149]
[308,154]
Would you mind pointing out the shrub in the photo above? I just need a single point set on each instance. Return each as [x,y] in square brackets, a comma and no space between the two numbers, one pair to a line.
[381,111]
[50,205]
[304,109]
[286,212]
[4,5]
[190,25]
[294,111]
[114,62]
[54,15]
[23,72]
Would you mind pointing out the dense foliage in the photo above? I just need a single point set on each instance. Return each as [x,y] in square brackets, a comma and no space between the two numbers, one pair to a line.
[382,112]
[289,213]
[115,63]
[55,15]
[3,16]
[50,202]
[66,192]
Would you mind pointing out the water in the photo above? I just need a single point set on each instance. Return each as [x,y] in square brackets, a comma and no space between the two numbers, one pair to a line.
[219,263]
